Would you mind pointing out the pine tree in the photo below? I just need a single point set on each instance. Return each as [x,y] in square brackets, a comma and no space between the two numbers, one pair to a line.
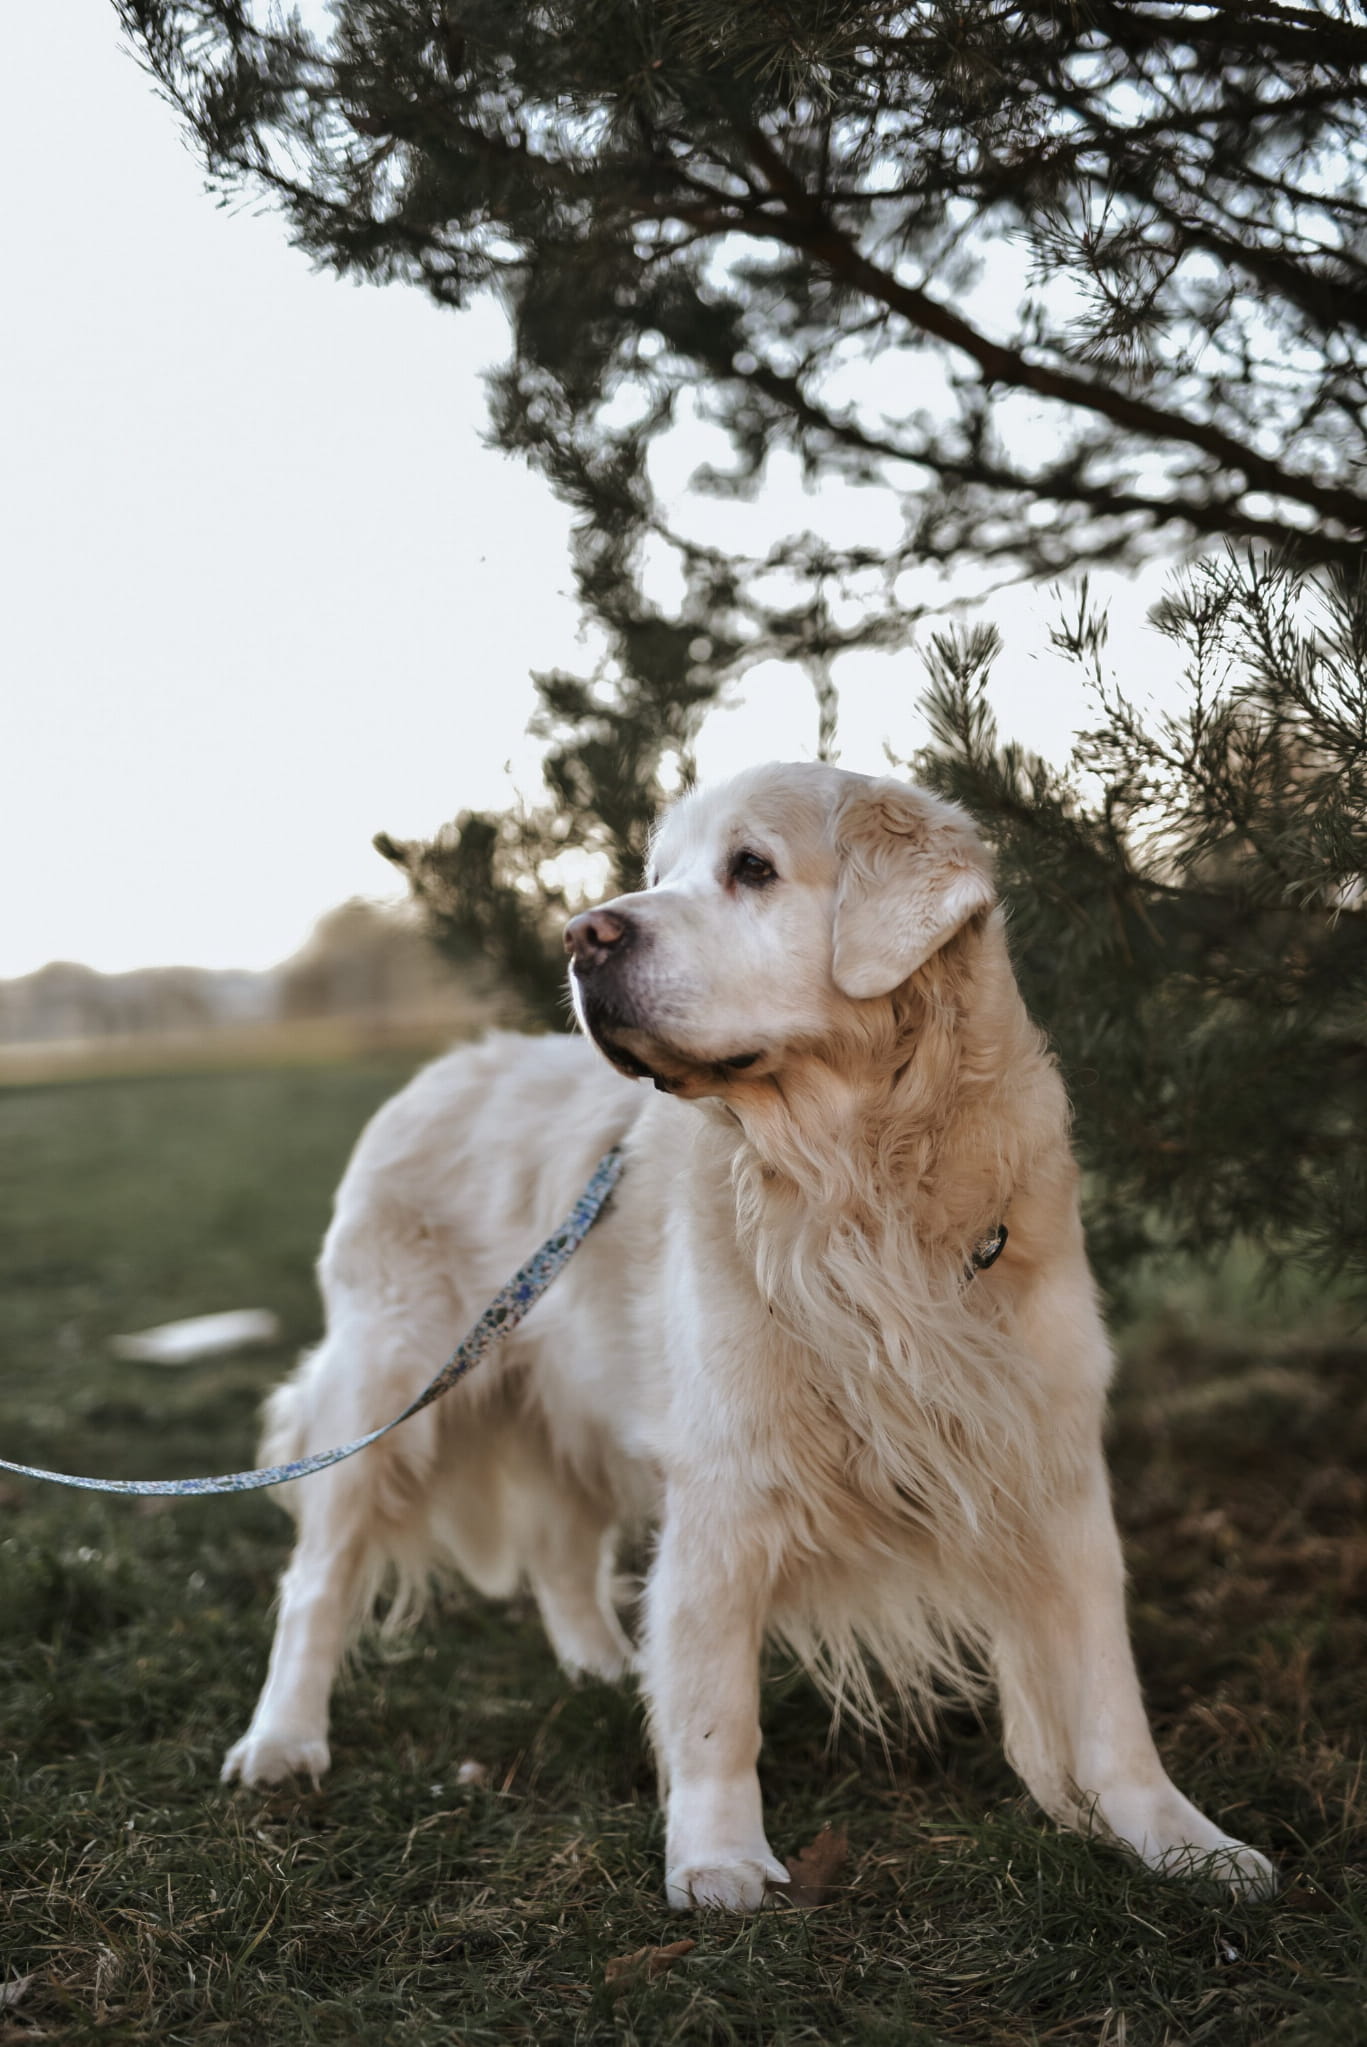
[1062,284]
[1061,277]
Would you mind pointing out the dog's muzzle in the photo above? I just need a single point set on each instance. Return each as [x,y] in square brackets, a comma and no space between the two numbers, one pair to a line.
[605,948]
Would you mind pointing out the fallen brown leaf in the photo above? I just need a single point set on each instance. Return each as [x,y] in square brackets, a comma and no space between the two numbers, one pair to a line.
[1305,1897]
[647,1963]
[813,1872]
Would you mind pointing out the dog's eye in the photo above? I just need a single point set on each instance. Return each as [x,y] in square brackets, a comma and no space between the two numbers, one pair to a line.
[751,870]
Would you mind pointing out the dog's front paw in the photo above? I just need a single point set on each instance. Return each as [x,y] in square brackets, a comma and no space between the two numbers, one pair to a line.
[740,1886]
[1166,1831]
[267,1759]
[1251,1875]
[1234,1867]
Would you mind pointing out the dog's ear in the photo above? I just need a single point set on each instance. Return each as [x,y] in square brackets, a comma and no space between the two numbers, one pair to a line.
[912,871]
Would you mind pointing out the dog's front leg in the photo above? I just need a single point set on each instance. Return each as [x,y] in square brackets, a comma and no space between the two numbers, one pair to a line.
[1073,1716]
[1074,1720]
[705,1607]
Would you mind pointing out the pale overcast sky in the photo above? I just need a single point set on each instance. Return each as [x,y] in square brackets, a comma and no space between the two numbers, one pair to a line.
[262,590]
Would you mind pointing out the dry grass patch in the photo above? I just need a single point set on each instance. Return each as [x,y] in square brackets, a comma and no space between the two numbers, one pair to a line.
[487,1846]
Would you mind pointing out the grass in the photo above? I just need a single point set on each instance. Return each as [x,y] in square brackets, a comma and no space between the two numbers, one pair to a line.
[398,1904]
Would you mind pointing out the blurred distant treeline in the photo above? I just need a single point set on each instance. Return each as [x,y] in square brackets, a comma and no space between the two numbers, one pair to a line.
[362,962]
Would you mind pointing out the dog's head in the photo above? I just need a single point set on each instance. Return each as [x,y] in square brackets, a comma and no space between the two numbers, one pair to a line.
[774,905]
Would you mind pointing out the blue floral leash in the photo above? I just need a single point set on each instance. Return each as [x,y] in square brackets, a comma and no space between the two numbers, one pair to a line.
[499,1319]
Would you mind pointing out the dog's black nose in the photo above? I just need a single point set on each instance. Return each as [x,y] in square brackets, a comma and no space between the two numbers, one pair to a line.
[594,935]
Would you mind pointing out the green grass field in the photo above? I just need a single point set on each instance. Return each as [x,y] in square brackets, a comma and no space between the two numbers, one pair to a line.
[396,1904]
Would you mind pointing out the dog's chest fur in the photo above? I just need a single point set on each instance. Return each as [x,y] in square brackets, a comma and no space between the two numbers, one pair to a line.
[876,1390]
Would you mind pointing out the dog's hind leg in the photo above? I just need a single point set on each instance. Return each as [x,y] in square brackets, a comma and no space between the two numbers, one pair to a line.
[565,1538]
[320,1597]
[357,1522]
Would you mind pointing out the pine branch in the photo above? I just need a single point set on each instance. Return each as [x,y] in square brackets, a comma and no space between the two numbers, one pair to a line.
[806,228]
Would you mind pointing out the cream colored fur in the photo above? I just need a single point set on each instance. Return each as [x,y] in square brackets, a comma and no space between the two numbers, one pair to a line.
[768,1349]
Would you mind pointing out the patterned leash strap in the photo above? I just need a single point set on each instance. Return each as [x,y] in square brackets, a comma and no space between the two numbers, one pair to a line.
[501,1316]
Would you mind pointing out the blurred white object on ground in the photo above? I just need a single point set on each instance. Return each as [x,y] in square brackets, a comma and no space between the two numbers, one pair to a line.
[202,1336]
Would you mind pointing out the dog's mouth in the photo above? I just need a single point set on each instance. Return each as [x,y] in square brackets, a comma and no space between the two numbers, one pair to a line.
[625,1062]
[672,1072]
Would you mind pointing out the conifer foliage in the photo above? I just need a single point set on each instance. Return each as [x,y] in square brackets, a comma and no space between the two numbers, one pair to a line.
[1188,912]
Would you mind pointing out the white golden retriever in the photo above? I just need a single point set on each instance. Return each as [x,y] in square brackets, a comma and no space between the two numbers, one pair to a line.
[775,1345]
